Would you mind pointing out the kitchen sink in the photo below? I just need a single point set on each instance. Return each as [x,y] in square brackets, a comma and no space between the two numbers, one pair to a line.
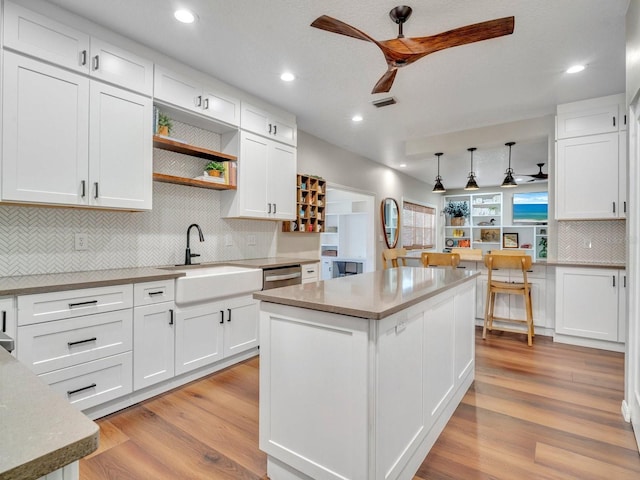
[206,283]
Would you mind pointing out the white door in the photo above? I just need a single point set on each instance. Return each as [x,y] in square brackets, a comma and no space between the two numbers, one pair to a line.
[281,181]
[241,325]
[112,64]
[220,107]
[586,165]
[632,357]
[45,133]
[198,337]
[252,175]
[120,153]
[177,90]
[153,344]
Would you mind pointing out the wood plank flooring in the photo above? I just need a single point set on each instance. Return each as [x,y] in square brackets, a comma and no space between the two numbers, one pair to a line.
[551,411]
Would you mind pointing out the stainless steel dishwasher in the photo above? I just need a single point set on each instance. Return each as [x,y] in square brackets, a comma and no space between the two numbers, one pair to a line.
[281,276]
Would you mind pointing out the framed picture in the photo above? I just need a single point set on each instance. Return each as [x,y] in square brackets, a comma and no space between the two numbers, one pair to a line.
[509,240]
[490,235]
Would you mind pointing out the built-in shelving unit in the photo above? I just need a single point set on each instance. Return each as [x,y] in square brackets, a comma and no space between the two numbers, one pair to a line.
[198,152]
[310,207]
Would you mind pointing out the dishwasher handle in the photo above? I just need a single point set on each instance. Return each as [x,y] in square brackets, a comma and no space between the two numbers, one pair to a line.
[276,278]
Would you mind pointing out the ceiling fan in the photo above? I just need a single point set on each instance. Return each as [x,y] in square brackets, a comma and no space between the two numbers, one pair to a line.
[401,51]
[537,176]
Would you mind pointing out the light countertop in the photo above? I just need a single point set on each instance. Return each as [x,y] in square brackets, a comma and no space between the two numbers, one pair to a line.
[373,295]
[42,432]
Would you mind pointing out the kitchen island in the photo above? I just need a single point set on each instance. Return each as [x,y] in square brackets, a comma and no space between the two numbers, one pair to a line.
[360,374]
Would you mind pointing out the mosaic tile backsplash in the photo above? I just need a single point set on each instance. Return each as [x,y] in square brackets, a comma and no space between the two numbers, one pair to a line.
[601,241]
[35,240]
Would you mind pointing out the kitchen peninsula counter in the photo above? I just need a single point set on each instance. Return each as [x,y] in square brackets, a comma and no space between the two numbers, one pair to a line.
[360,374]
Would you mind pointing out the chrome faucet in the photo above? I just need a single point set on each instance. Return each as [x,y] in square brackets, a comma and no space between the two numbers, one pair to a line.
[187,254]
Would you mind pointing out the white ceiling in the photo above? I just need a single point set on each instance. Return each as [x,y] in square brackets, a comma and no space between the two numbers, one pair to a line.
[443,99]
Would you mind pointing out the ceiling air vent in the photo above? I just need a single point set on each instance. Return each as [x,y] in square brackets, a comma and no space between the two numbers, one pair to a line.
[383,102]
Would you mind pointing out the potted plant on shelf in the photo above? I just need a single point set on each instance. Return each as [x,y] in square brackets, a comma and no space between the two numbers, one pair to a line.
[542,243]
[214,169]
[164,125]
[457,211]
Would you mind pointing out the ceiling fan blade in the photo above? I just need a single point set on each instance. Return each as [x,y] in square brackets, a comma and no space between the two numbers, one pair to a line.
[385,82]
[461,36]
[331,24]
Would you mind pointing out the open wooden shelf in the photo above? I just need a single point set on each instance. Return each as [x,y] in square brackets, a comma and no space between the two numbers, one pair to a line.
[191,182]
[186,149]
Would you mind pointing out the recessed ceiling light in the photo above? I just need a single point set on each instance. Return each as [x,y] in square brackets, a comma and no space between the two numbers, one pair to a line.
[287,77]
[403,165]
[356,118]
[184,16]
[575,69]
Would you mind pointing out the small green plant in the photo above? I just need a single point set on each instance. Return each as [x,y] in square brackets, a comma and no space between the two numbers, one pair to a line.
[164,121]
[457,209]
[542,243]
[219,166]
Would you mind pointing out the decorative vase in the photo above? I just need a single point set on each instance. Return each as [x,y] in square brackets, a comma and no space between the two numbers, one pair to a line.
[457,221]
[214,173]
[163,130]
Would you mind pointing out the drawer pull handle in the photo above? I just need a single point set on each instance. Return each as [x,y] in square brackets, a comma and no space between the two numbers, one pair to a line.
[78,390]
[159,292]
[171,316]
[71,344]
[229,310]
[221,316]
[96,62]
[4,320]
[83,57]
[83,304]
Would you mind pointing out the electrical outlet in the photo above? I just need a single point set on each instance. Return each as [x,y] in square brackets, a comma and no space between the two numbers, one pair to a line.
[228,240]
[81,241]
[251,240]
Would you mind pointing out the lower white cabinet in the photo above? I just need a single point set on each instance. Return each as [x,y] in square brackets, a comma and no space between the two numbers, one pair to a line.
[590,303]
[153,344]
[210,332]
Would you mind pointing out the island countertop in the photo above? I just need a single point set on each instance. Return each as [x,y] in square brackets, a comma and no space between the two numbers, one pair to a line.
[373,295]
[42,432]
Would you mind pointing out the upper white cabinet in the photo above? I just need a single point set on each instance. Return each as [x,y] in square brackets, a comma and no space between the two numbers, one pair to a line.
[39,36]
[268,125]
[591,159]
[590,117]
[184,92]
[266,181]
[54,151]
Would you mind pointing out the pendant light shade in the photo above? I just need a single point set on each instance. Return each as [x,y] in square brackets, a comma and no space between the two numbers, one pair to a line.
[471,183]
[438,187]
[509,181]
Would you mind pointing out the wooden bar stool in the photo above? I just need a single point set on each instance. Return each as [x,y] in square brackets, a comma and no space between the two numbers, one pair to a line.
[432,259]
[392,255]
[513,263]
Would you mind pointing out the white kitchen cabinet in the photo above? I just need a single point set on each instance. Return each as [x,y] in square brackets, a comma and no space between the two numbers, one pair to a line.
[310,272]
[266,181]
[67,140]
[41,37]
[588,303]
[120,149]
[209,332]
[8,322]
[264,123]
[590,117]
[622,174]
[587,177]
[187,93]
[153,333]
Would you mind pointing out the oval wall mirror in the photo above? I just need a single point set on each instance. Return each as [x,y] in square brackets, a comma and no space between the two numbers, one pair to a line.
[390,214]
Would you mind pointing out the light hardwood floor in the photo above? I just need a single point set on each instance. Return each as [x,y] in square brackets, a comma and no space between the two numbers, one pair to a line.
[550,411]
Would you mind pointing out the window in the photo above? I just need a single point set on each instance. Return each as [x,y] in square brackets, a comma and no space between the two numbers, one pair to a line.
[418,226]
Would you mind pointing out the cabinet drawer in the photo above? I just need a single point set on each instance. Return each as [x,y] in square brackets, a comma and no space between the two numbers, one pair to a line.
[49,346]
[153,292]
[44,307]
[310,272]
[93,383]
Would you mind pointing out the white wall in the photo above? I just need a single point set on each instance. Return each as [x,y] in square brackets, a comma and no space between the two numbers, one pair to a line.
[341,167]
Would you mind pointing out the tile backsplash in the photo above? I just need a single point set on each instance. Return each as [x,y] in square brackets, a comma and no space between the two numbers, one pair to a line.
[602,241]
[36,240]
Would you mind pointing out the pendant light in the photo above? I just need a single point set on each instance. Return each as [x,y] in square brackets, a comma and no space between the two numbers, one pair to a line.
[509,181]
[438,187]
[471,183]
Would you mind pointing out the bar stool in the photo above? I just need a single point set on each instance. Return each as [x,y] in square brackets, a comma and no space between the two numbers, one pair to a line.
[433,259]
[392,255]
[513,263]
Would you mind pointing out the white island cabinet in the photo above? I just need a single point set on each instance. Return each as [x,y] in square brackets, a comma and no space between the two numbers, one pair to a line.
[360,374]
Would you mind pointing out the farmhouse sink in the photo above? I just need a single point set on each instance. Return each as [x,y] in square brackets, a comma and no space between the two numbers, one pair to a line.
[206,283]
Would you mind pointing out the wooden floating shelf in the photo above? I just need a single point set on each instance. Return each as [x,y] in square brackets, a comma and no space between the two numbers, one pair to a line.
[191,182]
[186,149]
